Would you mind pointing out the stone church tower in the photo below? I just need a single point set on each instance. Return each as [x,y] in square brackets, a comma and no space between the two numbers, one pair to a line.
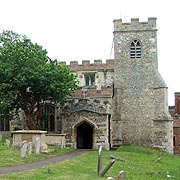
[140,95]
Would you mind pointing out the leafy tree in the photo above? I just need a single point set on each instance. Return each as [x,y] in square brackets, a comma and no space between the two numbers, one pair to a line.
[29,78]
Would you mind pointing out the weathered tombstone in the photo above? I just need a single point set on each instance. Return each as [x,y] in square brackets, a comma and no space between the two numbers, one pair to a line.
[7,143]
[23,149]
[104,171]
[63,142]
[121,175]
[107,167]
[29,148]
[110,178]
[99,161]
[37,146]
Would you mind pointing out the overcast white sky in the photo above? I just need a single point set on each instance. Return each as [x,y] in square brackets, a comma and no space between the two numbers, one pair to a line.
[83,29]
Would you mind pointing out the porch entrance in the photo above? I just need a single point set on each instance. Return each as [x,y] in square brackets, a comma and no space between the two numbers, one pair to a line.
[84,136]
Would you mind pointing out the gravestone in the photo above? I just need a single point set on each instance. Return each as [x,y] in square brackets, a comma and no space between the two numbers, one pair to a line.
[37,144]
[23,149]
[121,175]
[29,148]
[7,143]
[99,161]
[99,169]
[110,178]
[107,167]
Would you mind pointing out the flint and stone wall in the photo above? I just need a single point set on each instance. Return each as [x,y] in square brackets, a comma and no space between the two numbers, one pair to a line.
[70,123]
[140,102]
[104,72]
[90,104]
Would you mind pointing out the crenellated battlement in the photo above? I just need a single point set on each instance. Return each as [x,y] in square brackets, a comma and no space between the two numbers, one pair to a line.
[86,65]
[135,25]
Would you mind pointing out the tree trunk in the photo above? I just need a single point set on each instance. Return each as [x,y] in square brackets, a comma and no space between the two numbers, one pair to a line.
[31,122]
[32,112]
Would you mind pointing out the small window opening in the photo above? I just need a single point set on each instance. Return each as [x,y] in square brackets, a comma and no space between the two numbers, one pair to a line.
[89,79]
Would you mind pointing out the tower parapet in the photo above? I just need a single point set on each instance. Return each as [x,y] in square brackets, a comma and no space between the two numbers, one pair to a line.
[73,63]
[135,25]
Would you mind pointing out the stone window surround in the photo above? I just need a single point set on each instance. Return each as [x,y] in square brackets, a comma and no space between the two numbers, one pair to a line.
[89,78]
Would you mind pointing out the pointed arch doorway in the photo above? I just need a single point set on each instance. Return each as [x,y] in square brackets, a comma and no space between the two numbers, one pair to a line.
[84,136]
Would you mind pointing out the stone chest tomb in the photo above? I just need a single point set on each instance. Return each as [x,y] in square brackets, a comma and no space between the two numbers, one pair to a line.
[29,136]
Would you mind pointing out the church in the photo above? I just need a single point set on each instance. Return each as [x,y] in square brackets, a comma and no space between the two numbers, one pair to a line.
[121,101]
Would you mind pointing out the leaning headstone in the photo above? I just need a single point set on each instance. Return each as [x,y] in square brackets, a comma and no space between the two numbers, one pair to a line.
[29,148]
[107,167]
[37,146]
[23,149]
[7,143]
[121,175]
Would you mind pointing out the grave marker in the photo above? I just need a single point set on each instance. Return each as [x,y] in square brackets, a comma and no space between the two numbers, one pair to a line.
[37,144]
[23,149]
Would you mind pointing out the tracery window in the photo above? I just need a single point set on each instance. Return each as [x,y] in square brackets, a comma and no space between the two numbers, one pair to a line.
[4,121]
[135,49]
[48,118]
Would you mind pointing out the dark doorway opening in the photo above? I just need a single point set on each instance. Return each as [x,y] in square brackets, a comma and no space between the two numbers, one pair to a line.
[84,136]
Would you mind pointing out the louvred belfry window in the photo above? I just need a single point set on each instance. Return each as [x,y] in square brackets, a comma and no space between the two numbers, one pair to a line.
[135,50]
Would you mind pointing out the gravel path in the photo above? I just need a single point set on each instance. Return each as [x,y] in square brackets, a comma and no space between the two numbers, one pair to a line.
[39,164]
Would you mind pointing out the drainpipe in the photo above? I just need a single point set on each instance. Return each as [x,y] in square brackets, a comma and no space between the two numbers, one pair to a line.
[109,130]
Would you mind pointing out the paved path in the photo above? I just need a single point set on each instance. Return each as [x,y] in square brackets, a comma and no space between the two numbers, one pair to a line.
[39,164]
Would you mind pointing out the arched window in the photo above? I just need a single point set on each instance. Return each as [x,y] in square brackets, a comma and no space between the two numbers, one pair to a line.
[135,49]
[4,121]
[47,118]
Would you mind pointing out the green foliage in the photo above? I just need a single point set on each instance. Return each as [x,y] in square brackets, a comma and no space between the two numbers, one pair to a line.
[28,77]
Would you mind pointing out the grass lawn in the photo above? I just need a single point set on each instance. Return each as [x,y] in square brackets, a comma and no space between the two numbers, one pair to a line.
[10,157]
[141,164]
